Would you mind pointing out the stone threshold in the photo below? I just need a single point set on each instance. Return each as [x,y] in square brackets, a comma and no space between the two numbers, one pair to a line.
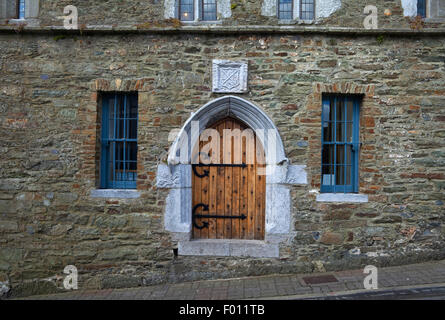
[217,29]
[228,248]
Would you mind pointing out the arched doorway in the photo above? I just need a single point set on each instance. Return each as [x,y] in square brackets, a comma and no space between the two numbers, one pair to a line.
[177,175]
[229,185]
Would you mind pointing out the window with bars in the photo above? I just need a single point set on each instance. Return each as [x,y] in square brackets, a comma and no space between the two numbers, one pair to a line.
[186,10]
[208,10]
[421,8]
[119,142]
[307,9]
[340,143]
[285,9]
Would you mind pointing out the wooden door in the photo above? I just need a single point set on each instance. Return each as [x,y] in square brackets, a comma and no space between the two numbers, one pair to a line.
[229,198]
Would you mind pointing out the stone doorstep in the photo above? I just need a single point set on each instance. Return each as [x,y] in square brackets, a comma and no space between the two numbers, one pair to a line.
[228,248]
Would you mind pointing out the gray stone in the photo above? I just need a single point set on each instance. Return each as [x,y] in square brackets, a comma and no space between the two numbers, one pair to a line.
[296,174]
[178,176]
[342,197]
[229,76]
[115,193]
[225,248]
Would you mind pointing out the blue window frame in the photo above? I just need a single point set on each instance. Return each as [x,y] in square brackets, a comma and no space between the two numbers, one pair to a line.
[21,9]
[340,143]
[421,8]
[119,142]
[186,10]
[285,9]
[208,10]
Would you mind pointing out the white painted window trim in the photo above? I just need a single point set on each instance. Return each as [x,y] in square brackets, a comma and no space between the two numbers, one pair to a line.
[342,197]
[115,193]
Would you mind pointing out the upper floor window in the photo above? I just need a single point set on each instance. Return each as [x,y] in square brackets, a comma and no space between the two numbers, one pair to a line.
[208,10]
[421,8]
[21,9]
[285,9]
[340,143]
[119,141]
[186,10]
[307,9]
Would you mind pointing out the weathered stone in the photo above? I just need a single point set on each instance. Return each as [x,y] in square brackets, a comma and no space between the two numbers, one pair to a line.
[331,238]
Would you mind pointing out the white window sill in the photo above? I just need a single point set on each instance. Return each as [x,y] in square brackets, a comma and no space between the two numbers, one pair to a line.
[342,197]
[17,20]
[201,22]
[115,193]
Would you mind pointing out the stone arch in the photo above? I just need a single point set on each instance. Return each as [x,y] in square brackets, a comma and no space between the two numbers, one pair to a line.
[176,176]
[235,107]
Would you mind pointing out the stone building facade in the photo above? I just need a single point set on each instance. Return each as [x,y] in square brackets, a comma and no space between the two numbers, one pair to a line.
[54,210]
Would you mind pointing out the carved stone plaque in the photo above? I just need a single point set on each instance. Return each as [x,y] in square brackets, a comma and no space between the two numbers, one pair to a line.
[229,76]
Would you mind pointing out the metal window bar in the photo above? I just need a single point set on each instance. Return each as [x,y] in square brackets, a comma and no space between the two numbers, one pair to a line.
[186,10]
[307,9]
[421,8]
[285,9]
[119,141]
[21,9]
[208,9]
[340,135]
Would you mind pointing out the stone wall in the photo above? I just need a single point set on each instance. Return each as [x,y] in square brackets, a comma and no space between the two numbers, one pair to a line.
[49,92]
[151,13]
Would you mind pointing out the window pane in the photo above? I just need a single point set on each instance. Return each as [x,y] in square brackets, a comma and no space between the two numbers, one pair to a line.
[349,154]
[340,110]
[328,154]
[186,10]
[209,10]
[348,175]
[327,131]
[340,132]
[340,154]
[285,9]
[349,110]
[307,9]
[22,9]
[328,175]
[339,175]
[349,127]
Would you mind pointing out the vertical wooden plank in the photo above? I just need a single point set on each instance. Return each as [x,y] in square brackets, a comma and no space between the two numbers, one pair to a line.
[251,196]
[220,189]
[236,173]
[260,193]
[196,190]
[204,198]
[228,180]
[212,200]
[244,193]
